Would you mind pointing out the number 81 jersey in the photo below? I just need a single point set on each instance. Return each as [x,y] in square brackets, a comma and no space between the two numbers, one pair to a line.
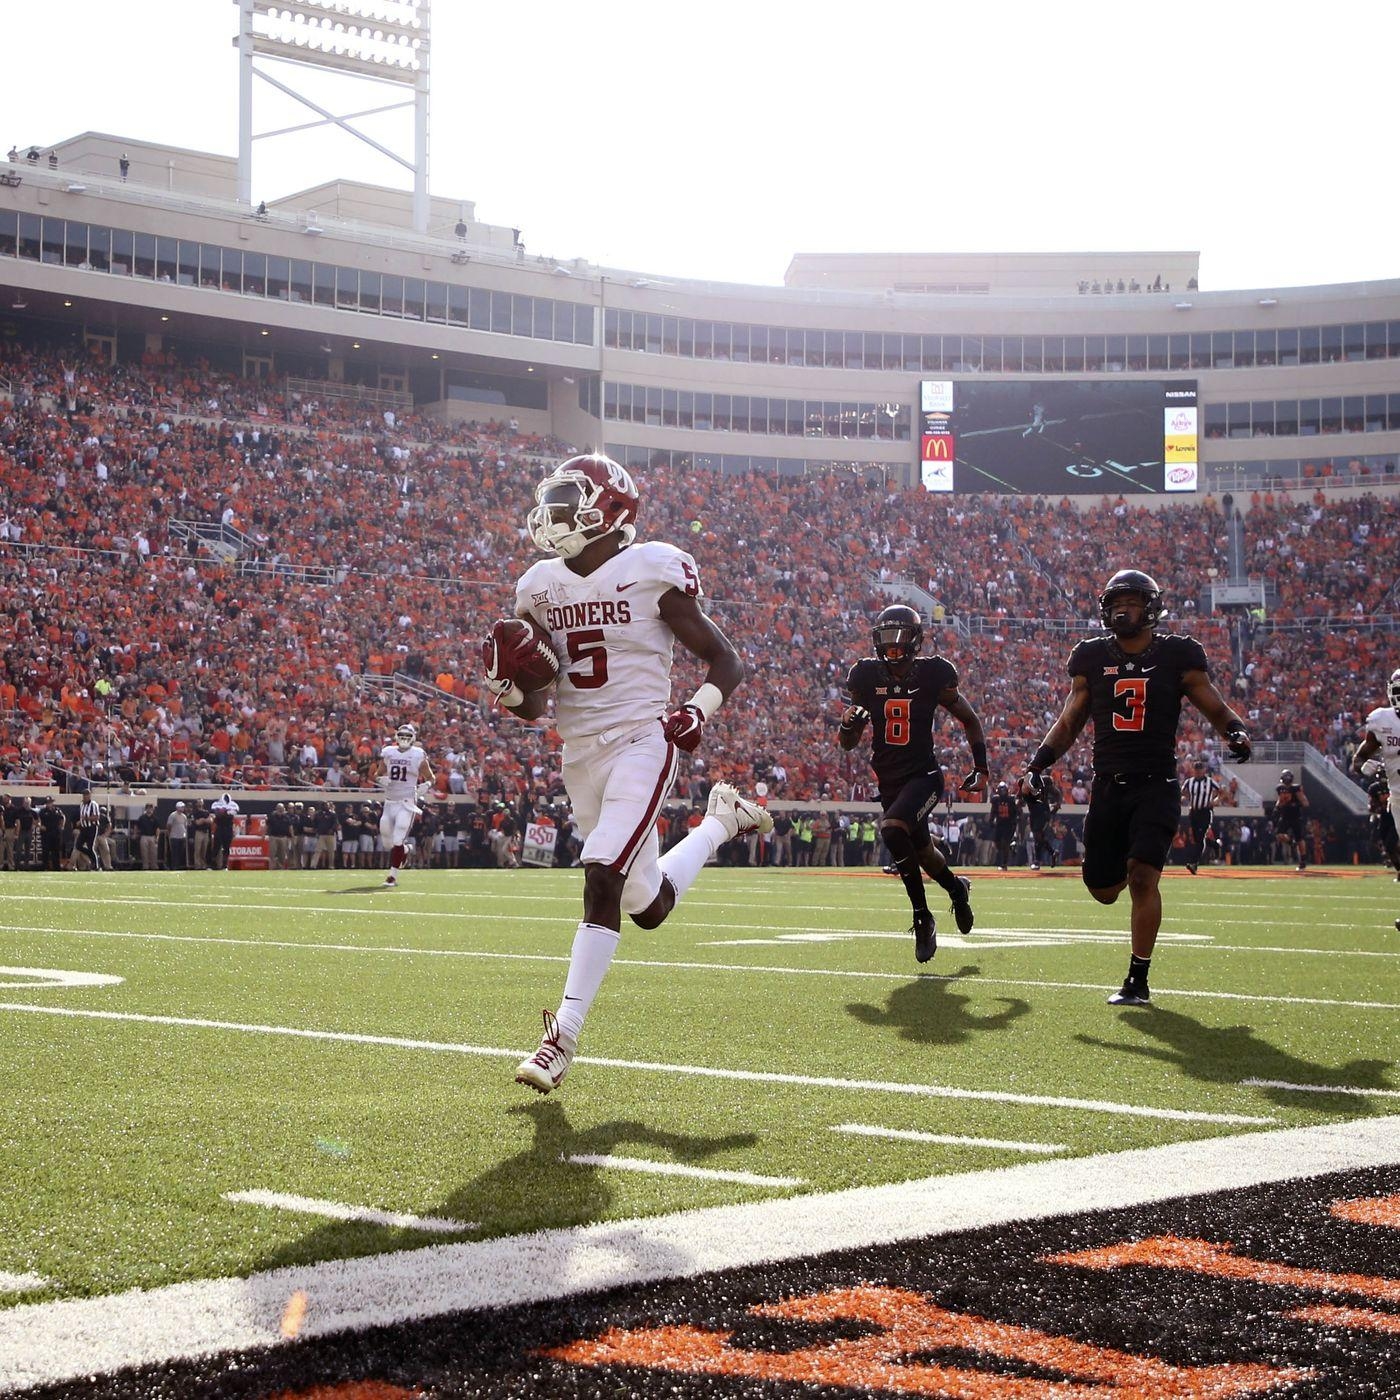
[1135,701]
[613,645]
[902,715]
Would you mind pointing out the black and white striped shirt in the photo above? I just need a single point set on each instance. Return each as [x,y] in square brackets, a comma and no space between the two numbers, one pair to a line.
[1199,793]
[89,814]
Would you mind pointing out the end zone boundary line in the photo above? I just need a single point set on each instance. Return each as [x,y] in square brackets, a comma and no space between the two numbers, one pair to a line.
[59,1341]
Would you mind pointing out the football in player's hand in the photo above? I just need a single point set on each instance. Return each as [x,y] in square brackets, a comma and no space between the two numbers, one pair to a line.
[524,653]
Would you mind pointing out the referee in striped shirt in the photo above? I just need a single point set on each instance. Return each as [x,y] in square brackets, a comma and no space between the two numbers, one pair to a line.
[89,818]
[1200,792]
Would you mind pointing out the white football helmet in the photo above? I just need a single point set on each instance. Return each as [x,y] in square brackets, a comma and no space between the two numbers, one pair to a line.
[405,736]
[582,500]
[1394,689]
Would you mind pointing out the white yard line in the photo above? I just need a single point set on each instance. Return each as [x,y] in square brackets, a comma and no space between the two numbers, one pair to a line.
[22,1283]
[334,1210]
[382,907]
[937,1091]
[1321,1088]
[60,1341]
[913,1135]
[641,1164]
[744,969]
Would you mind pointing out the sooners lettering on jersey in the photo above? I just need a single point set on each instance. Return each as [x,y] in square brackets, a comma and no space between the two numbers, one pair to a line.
[1135,700]
[402,769]
[1384,725]
[614,648]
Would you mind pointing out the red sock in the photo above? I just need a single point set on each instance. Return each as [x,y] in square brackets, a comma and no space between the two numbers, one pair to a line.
[395,857]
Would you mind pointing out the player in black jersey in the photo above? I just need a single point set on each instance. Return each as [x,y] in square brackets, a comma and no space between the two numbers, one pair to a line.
[900,691]
[1289,801]
[1004,815]
[1382,820]
[1130,682]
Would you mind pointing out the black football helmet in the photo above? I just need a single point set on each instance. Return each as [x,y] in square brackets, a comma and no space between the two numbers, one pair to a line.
[1130,581]
[898,634]
[1286,777]
[1393,689]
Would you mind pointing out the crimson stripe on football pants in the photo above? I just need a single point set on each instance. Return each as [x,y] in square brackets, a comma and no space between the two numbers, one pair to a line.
[658,796]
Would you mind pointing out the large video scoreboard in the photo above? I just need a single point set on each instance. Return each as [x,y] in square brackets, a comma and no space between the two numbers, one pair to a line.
[1056,438]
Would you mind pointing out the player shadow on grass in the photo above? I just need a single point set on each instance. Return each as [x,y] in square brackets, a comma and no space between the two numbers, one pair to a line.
[536,1189]
[1229,1054]
[931,1011]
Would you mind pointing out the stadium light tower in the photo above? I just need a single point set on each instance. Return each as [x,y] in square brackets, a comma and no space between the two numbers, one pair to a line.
[388,44]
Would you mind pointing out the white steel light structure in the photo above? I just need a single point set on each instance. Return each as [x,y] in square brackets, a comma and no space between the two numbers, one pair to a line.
[386,41]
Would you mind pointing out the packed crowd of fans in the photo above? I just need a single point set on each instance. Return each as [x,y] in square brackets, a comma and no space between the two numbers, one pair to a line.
[131,650]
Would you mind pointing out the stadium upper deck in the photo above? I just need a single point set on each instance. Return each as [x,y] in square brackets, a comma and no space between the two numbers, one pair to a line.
[332,284]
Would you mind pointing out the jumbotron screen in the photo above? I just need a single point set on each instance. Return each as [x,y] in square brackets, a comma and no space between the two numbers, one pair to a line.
[1086,437]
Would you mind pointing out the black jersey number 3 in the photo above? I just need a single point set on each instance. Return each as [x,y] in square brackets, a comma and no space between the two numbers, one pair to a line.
[1134,690]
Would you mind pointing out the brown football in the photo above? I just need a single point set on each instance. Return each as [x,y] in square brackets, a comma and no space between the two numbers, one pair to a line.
[538,665]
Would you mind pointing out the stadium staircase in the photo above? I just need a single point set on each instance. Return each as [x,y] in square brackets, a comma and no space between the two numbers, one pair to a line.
[225,542]
[400,684]
[1331,794]
[905,590]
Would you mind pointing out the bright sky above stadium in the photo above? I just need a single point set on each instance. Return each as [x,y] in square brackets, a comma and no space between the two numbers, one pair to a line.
[714,141]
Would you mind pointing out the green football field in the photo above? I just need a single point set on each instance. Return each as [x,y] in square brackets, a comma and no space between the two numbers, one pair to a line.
[216,1074]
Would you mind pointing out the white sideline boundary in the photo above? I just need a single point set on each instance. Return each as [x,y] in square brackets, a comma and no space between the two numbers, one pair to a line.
[52,1342]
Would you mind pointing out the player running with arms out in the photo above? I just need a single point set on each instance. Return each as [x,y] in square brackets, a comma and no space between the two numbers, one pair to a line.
[1378,758]
[403,771]
[900,692]
[612,611]
[1130,683]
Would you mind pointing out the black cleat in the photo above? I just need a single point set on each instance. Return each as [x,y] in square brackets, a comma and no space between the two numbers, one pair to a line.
[1131,994]
[1191,867]
[962,905]
[925,936]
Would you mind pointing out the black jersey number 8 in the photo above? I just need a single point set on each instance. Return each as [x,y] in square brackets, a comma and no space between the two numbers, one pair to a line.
[398,772]
[897,726]
[1134,689]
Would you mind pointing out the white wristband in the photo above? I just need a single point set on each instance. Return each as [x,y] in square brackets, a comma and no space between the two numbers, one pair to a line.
[707,699]
[512,697]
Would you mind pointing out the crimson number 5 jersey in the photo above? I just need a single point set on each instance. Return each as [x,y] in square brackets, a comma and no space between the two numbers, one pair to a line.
[1135,701]
[901,714]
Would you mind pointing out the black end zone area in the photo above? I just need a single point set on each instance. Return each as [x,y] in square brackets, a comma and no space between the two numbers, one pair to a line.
[1216,1281]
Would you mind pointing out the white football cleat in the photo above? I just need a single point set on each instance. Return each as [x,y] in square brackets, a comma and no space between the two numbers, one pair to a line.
[546,1068]
[737,814]
[391,881]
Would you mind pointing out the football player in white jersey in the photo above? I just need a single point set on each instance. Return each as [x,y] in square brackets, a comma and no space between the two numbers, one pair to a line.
[403,771]
[612,610]
[1379,751]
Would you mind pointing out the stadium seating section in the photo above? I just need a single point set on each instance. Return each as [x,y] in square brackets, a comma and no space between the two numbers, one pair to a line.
[129,649]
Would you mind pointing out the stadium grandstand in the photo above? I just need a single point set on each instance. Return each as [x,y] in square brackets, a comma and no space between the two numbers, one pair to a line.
[265,470]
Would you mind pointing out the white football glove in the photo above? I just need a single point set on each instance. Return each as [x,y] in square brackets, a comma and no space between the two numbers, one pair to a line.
[1372,768]
[422,790]
[855,717]
[382,781]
